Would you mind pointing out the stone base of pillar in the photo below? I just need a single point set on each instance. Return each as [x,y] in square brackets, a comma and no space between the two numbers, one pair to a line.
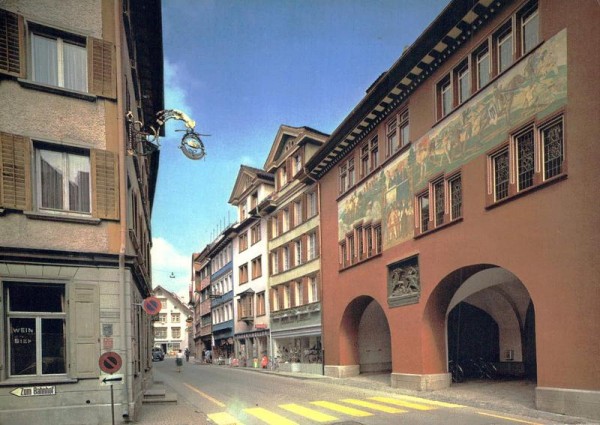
[416,382]
[569,402]
[342,371]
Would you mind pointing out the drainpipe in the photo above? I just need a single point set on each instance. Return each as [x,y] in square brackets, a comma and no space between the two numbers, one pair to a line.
[123,293]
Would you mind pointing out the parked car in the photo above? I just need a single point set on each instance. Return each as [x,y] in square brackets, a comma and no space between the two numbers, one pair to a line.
[157,354]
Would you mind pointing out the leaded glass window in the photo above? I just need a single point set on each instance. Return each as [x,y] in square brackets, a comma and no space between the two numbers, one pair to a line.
[439,194]
[424,211]
[455,185]
[525,159]
[501,173]
[553,149]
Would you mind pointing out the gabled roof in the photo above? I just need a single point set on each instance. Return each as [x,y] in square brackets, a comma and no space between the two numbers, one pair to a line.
[287,139]
[175,299]
[248,177]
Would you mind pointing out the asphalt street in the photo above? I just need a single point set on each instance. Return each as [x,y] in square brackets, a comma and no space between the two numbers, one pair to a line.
[223,395]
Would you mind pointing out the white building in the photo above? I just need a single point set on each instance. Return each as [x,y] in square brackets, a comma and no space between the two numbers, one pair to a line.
[170,326]
[250,267]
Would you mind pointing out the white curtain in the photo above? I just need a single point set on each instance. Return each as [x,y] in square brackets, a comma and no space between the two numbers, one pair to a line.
[75,67]
[51,176]
[45,66]
[79,183]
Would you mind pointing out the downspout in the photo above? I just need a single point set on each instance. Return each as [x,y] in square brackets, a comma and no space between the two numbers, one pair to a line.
[123,295]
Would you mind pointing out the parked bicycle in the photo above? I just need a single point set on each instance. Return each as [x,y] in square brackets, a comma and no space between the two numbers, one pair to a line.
[482,369]
[457,372]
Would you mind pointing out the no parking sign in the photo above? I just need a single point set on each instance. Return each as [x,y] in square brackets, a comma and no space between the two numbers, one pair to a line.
[151,305]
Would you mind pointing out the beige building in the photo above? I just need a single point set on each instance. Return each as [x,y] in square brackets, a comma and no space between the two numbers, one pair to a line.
[74,206]
[292,213]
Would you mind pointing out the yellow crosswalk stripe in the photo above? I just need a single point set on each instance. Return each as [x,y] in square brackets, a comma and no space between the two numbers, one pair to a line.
[374,406]
[223,418]
[308,413]
[341,408]
[426,401]
[269,417]
[402,403]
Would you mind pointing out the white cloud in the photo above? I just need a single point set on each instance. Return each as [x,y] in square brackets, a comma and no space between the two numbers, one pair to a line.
[167,261]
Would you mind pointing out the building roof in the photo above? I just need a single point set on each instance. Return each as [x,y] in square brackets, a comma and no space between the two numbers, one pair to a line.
[287,139]
[455,25]
[248,178]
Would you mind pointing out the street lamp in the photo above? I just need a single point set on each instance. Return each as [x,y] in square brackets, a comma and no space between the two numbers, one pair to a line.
[143,138]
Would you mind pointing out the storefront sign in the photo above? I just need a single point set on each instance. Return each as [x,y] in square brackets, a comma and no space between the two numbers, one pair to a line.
[34,391]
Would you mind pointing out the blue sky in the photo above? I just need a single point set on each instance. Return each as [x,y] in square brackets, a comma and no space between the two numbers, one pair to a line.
[241,68]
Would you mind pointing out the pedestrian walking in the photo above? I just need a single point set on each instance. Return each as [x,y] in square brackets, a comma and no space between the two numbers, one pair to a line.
[187,354]
[179,360]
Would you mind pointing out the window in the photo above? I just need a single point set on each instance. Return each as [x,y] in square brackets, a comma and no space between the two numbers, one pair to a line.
[243,241]
[445,97]
[351,248]
[255,234]
[504,49]
[423,205]
[297,213]
[243,273]
[360,242]
[482,66]
[343,254]
[275,262]
[257,267]
[369,237]
[311,199]
[440,204]
[260,304]
[162,318]
[351,172]
[36,318]
[254,200]
[297,164]
[245,304]
[282,176]
[285,220]
[392,136]
[286,258]
[537,154]
[529,27]
[63,180]
[312,246]
[160,333]
[313,289]
[243,212]
[374,152]
[274,299]
[298,251]
[404,129]
[364,160]
[176,332]
[463,77]
[343,177]
[175,317]
[378,239]
[287,296]
[58,59]
[299,295]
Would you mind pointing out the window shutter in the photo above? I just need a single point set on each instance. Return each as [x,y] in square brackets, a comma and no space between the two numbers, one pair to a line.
[317,242]
[305,290]
[15,172]
[84,320]
[269,229]
[102,68]
[105,185]
[304,207]
[304,249]
[11,44]
[280,294]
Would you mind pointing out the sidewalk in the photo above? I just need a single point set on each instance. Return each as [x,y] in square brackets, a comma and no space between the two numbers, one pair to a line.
[510,397]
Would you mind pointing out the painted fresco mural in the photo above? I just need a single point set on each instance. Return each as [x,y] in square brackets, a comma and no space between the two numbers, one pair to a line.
[537,86]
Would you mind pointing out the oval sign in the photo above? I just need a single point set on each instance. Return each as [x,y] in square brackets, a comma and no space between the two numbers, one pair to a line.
[152,305]
[110,362]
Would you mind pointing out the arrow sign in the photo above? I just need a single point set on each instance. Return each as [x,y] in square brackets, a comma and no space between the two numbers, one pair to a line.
[111,379]
[34,391]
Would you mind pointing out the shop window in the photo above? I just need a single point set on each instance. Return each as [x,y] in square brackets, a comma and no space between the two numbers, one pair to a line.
[36,315]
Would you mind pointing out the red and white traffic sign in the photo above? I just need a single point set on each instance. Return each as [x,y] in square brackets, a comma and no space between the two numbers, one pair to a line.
[110,362]
[151,305]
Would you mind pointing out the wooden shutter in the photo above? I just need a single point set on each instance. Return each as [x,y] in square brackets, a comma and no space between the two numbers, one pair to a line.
[105,184]
[11,44]
[317,241]
[305,290]
[15,172]
[304,253]
[102,68]
[304,207]
[84,326]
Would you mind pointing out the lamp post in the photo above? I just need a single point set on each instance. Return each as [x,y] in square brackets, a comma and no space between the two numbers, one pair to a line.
[144,138]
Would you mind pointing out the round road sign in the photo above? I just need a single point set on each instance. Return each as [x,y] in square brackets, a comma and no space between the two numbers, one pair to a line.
[151,305]
[110,362]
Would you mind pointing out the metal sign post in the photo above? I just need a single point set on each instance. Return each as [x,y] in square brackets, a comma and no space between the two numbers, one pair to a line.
[110,363]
